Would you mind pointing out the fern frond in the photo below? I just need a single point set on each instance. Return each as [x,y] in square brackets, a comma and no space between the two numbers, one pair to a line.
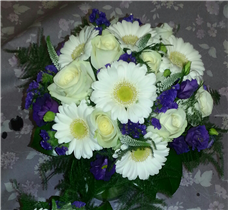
[168,82]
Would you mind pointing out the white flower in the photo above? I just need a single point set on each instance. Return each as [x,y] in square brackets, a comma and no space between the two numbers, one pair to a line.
[205,102]
[173,123]
[107,130]
[152,58]
[179,53]
[106,49]
[126,91]
[78,47]
[141,163]
[73,82]
[164,31]
[128,34]
[73,127]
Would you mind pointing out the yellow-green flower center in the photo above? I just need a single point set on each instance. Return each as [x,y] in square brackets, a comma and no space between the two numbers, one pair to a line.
[130,39]
[79,129]
[178,58]
[125,93]
[78,51]
[140,155]
[104,125]
[104,166]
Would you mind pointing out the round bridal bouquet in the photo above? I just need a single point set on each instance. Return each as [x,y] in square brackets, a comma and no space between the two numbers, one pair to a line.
[119,107]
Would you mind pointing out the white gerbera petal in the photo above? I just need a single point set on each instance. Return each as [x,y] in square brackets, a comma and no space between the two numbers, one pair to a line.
[77,130]
[129,33]
[126,98]
[78,47]
[141,163]
[179,53]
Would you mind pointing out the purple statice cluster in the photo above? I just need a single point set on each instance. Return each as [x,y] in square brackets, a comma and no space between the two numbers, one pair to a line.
[61,150]
[99,19]
[196,138]
[77,204]
[134,130]
[33,90]
[166,100]
[102,168]
[131,19]
[127,58]
[155,122]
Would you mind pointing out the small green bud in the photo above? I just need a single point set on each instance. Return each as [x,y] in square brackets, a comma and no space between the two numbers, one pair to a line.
[166,73]
[49,116]
[212,131]
[52,140]
[163,48]
[187,67]
[47,78]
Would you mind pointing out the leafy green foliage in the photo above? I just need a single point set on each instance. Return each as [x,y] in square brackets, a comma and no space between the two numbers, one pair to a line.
[32,59]
[215,95]
[142,42]
[133,142]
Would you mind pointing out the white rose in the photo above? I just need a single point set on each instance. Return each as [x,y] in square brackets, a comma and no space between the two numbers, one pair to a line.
[73,82]
[152,58]
[164,32]
[173,123]
[205,102]
[107,130]
[105,49]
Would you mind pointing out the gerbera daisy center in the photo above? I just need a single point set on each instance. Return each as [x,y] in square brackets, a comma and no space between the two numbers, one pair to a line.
[79,129]
[125,93]
[78,51]
[178,58]
[140,155]
[130,39]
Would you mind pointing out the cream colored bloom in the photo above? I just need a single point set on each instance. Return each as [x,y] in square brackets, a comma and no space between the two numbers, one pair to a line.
[78,47]
[173,123]
[205,102]
[152,58]
[72,125]
[164,31]
[73,82]
[141,163]
[128,34]
[126,91]
[107,131]
[105,49]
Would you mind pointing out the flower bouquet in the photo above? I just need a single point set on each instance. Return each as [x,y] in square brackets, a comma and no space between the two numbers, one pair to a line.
[120,107]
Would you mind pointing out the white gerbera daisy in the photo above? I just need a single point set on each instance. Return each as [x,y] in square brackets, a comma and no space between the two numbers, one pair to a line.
[126,91]
[179,53]
[142,163]
[129,34]
[72,126]
[78,47]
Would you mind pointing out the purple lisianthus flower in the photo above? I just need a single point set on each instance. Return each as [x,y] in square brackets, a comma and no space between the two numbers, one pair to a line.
[155,122]
[100,168]
[127,58]
[197,138]
[167,99]
[41,106]
[61,150]
[78,204]
[179,145]
[187,88]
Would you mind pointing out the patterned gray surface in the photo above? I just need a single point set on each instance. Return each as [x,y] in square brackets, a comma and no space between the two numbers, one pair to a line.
[203,24]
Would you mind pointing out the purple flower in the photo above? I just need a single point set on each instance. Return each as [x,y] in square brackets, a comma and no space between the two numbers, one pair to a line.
[197,138]
[155,122]
[187,88]
[41,106]
[127,58]
[131,19]
[45,138]
[61,150]
[78,204]
[33,85]
[133,129]
[28,100]
[179,145]
[101,168]
[99,18]
[50,69]
[167,99]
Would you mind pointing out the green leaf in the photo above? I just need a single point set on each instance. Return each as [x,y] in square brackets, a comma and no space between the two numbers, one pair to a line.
[104,206]
[169,177]
[52,53]
[133,142]
[36,138]
[141,43]
[170,80]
